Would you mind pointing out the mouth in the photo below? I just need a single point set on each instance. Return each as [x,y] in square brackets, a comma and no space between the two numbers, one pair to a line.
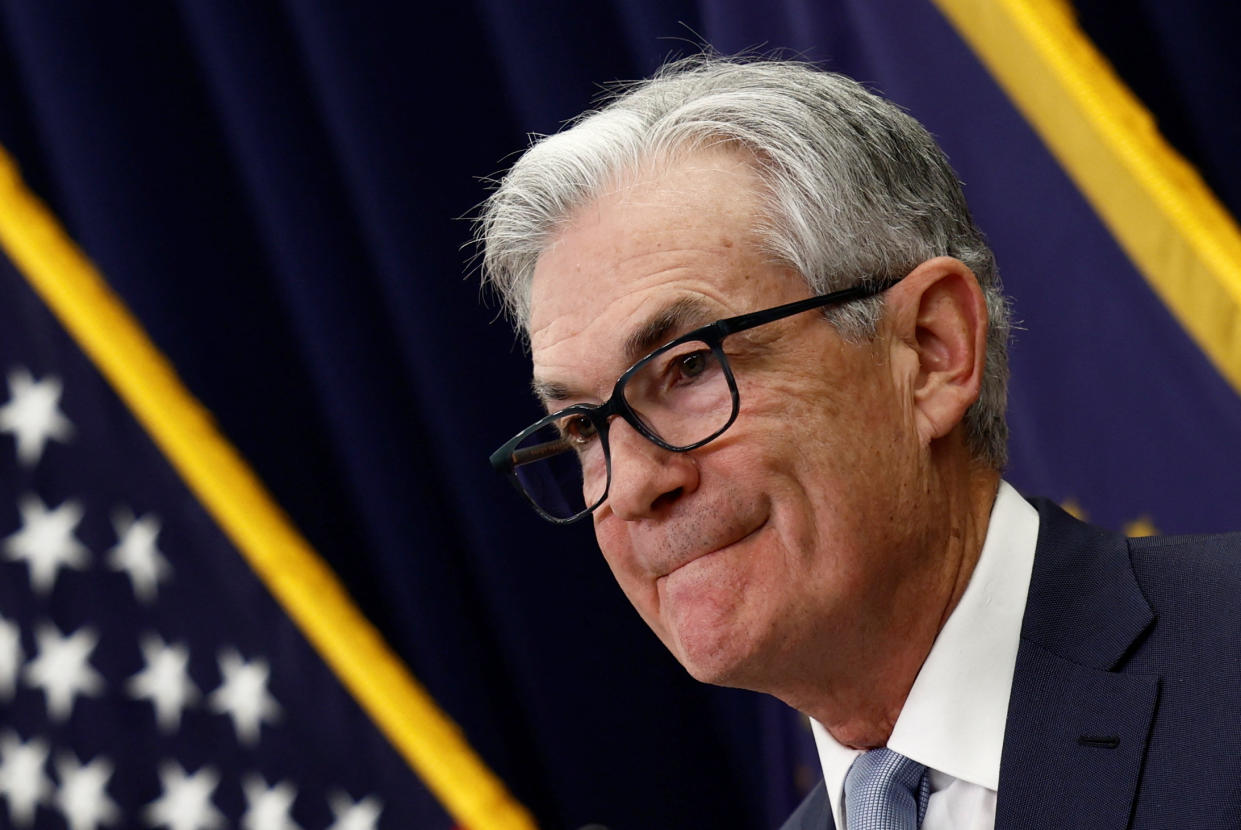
[712,551]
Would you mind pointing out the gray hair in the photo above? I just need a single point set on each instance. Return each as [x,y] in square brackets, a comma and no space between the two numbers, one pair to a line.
[855,190]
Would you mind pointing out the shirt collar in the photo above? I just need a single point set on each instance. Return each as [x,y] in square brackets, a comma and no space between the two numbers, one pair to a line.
[953,720]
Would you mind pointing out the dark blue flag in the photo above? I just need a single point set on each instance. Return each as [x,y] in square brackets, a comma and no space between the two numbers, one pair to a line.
[150,676]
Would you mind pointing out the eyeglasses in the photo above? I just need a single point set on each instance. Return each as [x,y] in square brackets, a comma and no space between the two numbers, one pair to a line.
[678,397]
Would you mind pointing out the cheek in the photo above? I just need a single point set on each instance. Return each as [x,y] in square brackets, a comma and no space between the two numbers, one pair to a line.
[837,433]
[826,461]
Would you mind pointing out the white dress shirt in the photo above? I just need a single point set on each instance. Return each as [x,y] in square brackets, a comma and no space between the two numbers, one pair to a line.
[953,720]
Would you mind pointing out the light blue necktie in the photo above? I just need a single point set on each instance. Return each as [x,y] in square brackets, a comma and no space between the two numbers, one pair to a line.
[884,790]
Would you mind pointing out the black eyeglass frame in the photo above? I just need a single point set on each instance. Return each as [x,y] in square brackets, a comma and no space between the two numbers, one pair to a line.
[506,459]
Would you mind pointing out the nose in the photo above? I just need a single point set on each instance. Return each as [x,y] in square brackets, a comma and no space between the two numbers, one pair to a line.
[646,479]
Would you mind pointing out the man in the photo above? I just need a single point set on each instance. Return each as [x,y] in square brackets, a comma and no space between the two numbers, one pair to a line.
[772,346]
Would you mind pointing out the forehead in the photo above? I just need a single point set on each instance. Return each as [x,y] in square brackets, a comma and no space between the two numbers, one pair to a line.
[681,237]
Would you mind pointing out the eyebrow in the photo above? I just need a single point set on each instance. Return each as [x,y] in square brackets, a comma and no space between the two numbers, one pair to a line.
[546,392]
[658,329]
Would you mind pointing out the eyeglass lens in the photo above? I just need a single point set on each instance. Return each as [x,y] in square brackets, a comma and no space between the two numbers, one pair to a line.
[680,395]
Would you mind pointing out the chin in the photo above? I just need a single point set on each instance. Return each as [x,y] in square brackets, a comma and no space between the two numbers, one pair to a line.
[714,632]
[715,672]
[719,658]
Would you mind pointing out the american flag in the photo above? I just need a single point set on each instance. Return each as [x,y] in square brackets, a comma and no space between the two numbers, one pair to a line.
[148,678]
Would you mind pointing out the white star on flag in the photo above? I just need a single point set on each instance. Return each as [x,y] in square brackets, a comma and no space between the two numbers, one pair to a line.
[46,541]
[362,815]
[33,415]
[165,681]
[83,796]
[186,801]
[243,695]
[22,782]
[135,554]
[10,657]
[268,809]
[63,668]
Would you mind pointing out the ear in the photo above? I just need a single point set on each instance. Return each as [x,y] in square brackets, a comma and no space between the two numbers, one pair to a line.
[940,317]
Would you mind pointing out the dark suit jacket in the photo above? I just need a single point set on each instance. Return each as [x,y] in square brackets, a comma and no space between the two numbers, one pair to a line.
[1126,703]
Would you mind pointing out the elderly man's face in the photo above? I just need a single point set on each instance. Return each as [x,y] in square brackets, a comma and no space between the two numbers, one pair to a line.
[780,545]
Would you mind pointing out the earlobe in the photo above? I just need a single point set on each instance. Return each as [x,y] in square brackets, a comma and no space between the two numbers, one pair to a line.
[943,319]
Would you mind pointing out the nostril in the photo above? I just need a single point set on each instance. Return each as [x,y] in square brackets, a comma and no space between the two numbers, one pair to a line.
[667,498]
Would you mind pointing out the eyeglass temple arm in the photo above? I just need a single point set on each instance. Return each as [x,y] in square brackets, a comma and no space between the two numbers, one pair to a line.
[756,318]
[538,452]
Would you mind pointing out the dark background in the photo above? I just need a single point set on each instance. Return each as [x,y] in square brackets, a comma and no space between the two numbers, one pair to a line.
[277,191]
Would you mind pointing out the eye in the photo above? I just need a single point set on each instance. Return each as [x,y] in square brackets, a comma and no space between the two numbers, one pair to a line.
[693,364]
[578,429]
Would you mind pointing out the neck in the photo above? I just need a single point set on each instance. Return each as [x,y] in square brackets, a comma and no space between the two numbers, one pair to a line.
[859,696]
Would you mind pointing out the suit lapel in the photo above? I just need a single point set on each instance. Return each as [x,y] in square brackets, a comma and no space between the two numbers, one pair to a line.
[1078,739]
[1077,729]
[814,813]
